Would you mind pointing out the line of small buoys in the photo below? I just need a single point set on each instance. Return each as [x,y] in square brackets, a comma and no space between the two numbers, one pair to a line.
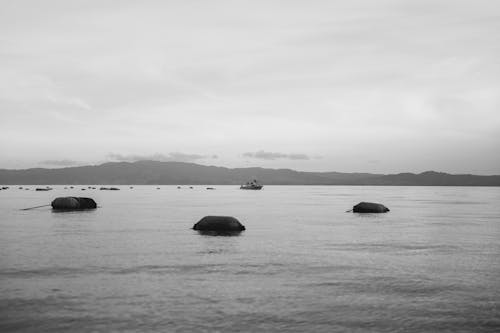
[43,189]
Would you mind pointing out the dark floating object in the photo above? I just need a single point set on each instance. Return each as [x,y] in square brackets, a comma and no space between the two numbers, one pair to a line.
[43,189]
[5,188]
[210,188]
[178,187]
[369,207]
[219,225]
[73,203]
[190,187]
[71,187]
[109,189]
[131,187]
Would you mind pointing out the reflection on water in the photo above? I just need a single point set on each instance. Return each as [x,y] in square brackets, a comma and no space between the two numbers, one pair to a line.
[303,264]
[219,233]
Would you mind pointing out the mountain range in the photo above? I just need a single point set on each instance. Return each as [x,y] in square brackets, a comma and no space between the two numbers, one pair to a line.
[177,173]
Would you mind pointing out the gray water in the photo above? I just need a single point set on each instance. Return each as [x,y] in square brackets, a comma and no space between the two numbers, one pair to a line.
[303,264]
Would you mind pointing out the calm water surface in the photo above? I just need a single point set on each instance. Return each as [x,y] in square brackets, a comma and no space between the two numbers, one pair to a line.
[303,264]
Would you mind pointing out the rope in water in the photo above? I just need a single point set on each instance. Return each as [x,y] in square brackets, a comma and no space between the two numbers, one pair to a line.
[35,207]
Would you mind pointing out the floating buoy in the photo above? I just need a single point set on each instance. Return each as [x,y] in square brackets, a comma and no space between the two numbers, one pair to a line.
[219,225]
[73,203]
[369,207]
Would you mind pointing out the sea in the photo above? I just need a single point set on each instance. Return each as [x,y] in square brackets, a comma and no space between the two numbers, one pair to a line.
[303,264]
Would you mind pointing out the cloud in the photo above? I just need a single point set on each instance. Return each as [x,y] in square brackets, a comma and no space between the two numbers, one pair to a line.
[64,162]
[334,78]
[263,155]
[170,157]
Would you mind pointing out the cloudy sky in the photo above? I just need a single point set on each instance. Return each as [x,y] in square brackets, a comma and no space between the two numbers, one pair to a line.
[375,86]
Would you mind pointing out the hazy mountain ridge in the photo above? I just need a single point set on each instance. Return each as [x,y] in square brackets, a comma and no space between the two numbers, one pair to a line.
[173,173]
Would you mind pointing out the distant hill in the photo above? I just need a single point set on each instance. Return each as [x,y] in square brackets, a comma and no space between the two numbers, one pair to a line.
[173,173]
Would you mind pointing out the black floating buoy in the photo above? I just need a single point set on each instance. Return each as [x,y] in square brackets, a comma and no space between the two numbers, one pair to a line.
[369,207]
[219,225]
[73,203]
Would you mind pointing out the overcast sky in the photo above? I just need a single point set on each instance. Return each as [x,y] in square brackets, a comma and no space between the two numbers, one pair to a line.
[375,86]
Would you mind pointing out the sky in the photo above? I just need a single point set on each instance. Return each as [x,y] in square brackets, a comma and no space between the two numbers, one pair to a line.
[350,86]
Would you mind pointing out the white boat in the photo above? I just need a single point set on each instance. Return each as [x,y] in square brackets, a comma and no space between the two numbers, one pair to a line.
[253,185]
